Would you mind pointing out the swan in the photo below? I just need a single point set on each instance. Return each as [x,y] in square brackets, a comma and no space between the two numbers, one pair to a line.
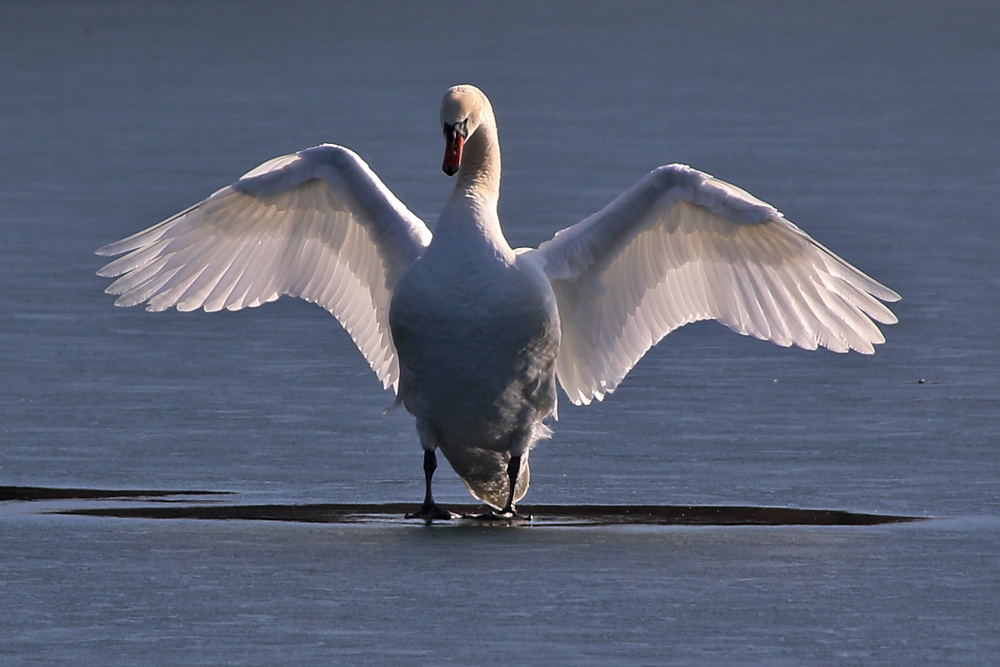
[471,334]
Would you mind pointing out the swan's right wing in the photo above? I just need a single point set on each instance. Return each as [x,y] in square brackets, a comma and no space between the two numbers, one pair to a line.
[318,224]
[681,246]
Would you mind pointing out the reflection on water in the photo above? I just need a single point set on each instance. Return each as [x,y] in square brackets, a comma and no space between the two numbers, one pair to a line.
[540,515]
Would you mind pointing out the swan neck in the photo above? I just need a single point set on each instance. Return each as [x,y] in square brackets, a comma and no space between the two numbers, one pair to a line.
[479,173]
[469,221]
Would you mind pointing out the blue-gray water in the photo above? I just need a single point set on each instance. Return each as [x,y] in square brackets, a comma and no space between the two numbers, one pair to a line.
[871,125]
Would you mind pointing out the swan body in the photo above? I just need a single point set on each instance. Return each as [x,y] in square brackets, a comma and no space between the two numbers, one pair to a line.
[472,334]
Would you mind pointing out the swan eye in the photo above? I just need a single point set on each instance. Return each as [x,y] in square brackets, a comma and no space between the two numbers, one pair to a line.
[460,128]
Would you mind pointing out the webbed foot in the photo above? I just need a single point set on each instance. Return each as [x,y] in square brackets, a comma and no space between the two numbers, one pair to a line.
[510,516]
[430,512]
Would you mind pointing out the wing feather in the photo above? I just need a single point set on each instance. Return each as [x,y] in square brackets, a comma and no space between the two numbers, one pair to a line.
[317,224]
[682,246]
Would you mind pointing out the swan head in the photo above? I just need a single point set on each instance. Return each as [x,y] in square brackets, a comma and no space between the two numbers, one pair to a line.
[463,111]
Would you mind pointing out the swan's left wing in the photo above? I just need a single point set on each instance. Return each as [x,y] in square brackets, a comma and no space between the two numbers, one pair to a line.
[682,246]
[318,224]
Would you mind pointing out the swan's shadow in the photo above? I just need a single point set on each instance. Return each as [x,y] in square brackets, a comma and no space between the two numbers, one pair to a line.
[180,507]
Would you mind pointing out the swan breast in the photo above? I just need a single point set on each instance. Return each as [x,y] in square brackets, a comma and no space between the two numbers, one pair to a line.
[477,344]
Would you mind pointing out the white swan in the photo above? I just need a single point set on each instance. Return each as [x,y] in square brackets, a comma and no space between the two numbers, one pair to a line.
[472,334]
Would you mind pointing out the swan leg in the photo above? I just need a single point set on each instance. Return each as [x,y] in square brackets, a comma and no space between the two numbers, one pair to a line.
[513,470]
[430,511]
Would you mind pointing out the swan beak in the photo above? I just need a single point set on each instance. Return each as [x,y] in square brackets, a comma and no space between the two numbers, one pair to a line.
[454,140]
[453,153]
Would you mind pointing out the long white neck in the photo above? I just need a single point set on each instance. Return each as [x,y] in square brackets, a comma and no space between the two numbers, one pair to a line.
[472,207]
[479,173]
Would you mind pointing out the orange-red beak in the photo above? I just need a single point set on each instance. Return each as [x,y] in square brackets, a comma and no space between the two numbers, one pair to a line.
[453,153]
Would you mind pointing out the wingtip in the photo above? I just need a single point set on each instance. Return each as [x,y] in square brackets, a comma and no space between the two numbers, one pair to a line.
[109,250]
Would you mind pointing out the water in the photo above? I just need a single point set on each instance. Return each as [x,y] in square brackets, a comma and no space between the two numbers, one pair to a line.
[871,126]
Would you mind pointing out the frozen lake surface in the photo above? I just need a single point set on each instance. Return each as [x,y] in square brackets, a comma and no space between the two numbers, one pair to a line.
[871,125]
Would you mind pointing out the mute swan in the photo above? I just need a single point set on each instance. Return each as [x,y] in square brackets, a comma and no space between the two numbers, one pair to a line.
[472,334]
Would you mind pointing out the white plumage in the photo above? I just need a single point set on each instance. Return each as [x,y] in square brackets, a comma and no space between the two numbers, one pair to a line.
[317,225]
[473,335]
[681,246]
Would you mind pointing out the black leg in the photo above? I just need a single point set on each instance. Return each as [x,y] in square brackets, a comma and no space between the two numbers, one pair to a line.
[430,465]
[429,511]
[513,470]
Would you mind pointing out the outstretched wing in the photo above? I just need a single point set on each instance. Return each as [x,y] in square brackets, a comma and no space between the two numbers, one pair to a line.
[681,246]
[318,224]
